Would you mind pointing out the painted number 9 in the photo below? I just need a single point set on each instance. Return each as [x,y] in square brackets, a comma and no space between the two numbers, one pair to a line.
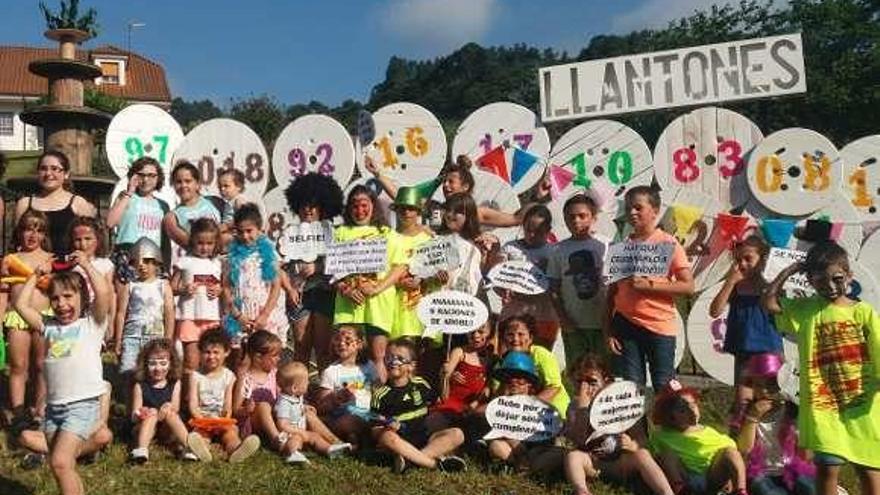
[137,149]
[298,162]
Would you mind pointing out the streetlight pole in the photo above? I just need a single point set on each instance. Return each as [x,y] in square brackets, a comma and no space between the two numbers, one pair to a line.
[131,26]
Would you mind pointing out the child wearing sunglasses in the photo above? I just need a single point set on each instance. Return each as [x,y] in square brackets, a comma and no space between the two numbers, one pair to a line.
[401,407]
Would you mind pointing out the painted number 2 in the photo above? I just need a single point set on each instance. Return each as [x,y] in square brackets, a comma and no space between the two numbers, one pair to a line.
[298,162]
[686,169]
[136,148]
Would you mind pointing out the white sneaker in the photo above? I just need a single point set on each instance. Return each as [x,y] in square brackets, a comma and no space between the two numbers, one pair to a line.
[296,457]
[139,455]
[197,444]
[248,447]
[338,449]
[188,456]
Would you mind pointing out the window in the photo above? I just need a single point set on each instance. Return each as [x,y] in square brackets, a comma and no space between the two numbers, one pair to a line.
[109,72]
[7,120]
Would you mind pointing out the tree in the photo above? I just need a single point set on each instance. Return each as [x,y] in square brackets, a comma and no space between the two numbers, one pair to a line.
[261,113]
[192,113]
[68,18]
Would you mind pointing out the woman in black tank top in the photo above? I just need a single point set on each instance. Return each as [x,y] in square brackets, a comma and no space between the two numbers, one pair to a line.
[55,200]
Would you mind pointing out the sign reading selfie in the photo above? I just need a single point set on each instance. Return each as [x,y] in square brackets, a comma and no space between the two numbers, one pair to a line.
[779,259]
[616,408]
[522,417]
[305,241]
[519,276]
[452,312]
[649,259]
[361,256]
[699,75]
[440,253]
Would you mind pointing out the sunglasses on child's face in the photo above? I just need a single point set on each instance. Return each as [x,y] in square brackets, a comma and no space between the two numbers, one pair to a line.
[393,360]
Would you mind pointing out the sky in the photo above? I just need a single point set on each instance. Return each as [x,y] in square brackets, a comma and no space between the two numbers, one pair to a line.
[330,50]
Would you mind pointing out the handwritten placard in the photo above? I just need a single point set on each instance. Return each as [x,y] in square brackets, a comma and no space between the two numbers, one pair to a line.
[305,241]
[522,417]
[361,256]
[780,259]
[452,312]
[519,276]
[616,408]
[649,259]
[440,253]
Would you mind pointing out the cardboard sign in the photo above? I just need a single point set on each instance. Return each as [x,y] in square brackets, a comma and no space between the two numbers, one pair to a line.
[522,417]
[452,312]
[440,253]
[699,75]
[626,259]
[519,276]
[305,241]
[788,379]
[778,260]
[616,408]
[361,256]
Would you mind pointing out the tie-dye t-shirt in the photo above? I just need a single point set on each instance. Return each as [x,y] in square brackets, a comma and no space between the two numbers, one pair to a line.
[838,348]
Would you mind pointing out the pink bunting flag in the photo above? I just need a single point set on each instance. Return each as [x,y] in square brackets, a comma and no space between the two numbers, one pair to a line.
[560,178]
[494,162]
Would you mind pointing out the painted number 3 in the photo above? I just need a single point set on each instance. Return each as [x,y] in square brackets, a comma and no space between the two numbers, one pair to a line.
[685,159]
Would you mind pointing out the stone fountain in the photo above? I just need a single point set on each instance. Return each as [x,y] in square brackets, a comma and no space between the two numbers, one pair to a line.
[67,123]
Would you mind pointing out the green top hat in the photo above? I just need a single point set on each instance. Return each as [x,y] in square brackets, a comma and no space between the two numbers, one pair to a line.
[415,196]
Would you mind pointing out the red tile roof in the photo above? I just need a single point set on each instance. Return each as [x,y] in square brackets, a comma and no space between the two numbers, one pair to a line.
[145,79]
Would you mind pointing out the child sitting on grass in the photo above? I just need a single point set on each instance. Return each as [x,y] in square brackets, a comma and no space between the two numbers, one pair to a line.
[210,403]
[518,375]
[696,458]
[402,407]
[298,422]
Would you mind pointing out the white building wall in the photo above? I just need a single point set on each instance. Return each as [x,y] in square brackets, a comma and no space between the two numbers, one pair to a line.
[24,137]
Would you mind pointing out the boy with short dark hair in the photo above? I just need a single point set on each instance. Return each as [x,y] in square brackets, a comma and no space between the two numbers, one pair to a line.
[575,272]
[402,407]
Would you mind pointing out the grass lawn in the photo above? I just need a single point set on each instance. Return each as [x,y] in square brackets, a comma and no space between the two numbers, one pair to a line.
[265,473]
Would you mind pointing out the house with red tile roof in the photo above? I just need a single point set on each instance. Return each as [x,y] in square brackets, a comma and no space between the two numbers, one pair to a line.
[125,75]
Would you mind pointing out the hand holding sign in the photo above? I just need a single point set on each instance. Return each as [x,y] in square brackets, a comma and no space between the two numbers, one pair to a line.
[305,241]
[616,408]
[438,254]
[361,256]
[625,259]
[521,277]
[452,312]
[522,417]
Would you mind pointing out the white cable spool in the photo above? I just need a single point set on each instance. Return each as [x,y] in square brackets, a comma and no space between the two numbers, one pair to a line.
[504,124]
[142,130]
[705,152]
[409,144]
[795,172]
[313,143]
[222,143]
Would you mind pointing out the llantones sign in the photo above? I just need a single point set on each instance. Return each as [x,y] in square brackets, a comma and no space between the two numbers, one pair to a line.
[700,75]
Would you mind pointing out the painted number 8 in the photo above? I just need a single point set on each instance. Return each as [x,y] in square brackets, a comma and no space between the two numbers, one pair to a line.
[253,170]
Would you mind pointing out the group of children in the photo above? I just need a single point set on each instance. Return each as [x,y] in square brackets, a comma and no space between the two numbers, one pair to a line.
[216,345]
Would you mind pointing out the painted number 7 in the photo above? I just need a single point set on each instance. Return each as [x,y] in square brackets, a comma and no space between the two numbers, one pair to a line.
[135,148]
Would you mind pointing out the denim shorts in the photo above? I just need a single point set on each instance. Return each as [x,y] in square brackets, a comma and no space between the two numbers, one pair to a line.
[826,459]
[641,345]
[131,347]
[79,417]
